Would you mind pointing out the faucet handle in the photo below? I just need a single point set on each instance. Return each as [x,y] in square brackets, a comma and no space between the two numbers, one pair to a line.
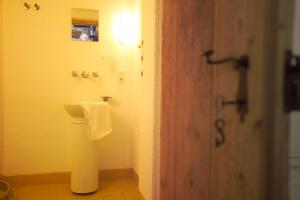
[84,74]
[95,75]
[74,73]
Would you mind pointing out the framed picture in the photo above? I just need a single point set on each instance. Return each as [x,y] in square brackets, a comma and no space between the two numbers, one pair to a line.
[85,25]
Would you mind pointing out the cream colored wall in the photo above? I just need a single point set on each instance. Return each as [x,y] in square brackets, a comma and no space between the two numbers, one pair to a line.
[147,90]
[1,90]
[147,130]
[39,56]
[138,64]
[85,14]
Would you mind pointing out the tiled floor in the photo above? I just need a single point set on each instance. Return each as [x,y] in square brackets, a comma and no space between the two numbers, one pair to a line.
[109,190]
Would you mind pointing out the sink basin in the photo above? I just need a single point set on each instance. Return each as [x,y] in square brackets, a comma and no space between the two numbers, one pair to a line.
[74,110]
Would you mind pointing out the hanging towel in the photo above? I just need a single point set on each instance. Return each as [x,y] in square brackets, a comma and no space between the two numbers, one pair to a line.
[98,119]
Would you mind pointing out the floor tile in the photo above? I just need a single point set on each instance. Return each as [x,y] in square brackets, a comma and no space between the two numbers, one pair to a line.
[108,190]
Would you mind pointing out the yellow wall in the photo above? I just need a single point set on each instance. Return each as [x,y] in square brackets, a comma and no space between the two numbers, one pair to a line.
[137,84]
[148,91]
[85,14]
[1,89]
[39,56]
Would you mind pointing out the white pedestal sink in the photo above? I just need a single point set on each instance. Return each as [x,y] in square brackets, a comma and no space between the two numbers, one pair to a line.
[84,168]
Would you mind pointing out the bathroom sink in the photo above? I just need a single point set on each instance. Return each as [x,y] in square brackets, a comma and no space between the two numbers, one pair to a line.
[74,110]
[90,123]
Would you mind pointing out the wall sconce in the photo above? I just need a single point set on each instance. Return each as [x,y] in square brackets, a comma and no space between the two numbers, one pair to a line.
[36,7]
[26,6]
[127,29]
[123,27]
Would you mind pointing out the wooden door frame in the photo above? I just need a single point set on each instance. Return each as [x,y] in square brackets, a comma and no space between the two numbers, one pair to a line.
[157,99]
[279,26]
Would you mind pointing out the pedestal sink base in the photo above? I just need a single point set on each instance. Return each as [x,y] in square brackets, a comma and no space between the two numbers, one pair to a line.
[84,170]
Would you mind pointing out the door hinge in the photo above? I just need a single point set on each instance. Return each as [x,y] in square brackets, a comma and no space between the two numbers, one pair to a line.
[292,82]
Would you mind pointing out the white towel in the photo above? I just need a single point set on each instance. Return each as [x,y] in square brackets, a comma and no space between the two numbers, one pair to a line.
[98,118]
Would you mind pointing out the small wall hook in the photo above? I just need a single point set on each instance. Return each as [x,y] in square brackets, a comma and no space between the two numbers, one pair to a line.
[242,61]
[26,6]
[36,6]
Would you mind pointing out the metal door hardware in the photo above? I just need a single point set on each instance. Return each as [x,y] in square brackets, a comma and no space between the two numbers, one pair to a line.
[220,125]
[292,82]
[242,65]
[221,103]
[242,61]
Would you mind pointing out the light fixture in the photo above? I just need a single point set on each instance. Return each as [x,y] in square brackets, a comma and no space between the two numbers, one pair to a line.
[123,27]
[127,30]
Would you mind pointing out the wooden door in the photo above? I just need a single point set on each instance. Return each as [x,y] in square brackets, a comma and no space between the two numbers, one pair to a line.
[238,166]
[253,164]
[186,100]
[192,167]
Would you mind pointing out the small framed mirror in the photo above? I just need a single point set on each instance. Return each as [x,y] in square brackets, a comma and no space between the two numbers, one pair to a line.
[85,25]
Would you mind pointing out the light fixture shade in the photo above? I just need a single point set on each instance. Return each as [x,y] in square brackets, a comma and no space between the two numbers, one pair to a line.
[127,34]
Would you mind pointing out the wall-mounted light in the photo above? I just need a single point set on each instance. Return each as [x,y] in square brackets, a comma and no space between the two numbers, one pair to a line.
[125,29]
[26,6]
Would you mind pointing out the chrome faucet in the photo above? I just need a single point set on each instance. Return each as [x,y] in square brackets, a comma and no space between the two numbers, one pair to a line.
[84,74]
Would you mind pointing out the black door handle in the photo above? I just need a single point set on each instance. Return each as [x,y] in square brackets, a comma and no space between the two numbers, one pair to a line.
[241,64]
